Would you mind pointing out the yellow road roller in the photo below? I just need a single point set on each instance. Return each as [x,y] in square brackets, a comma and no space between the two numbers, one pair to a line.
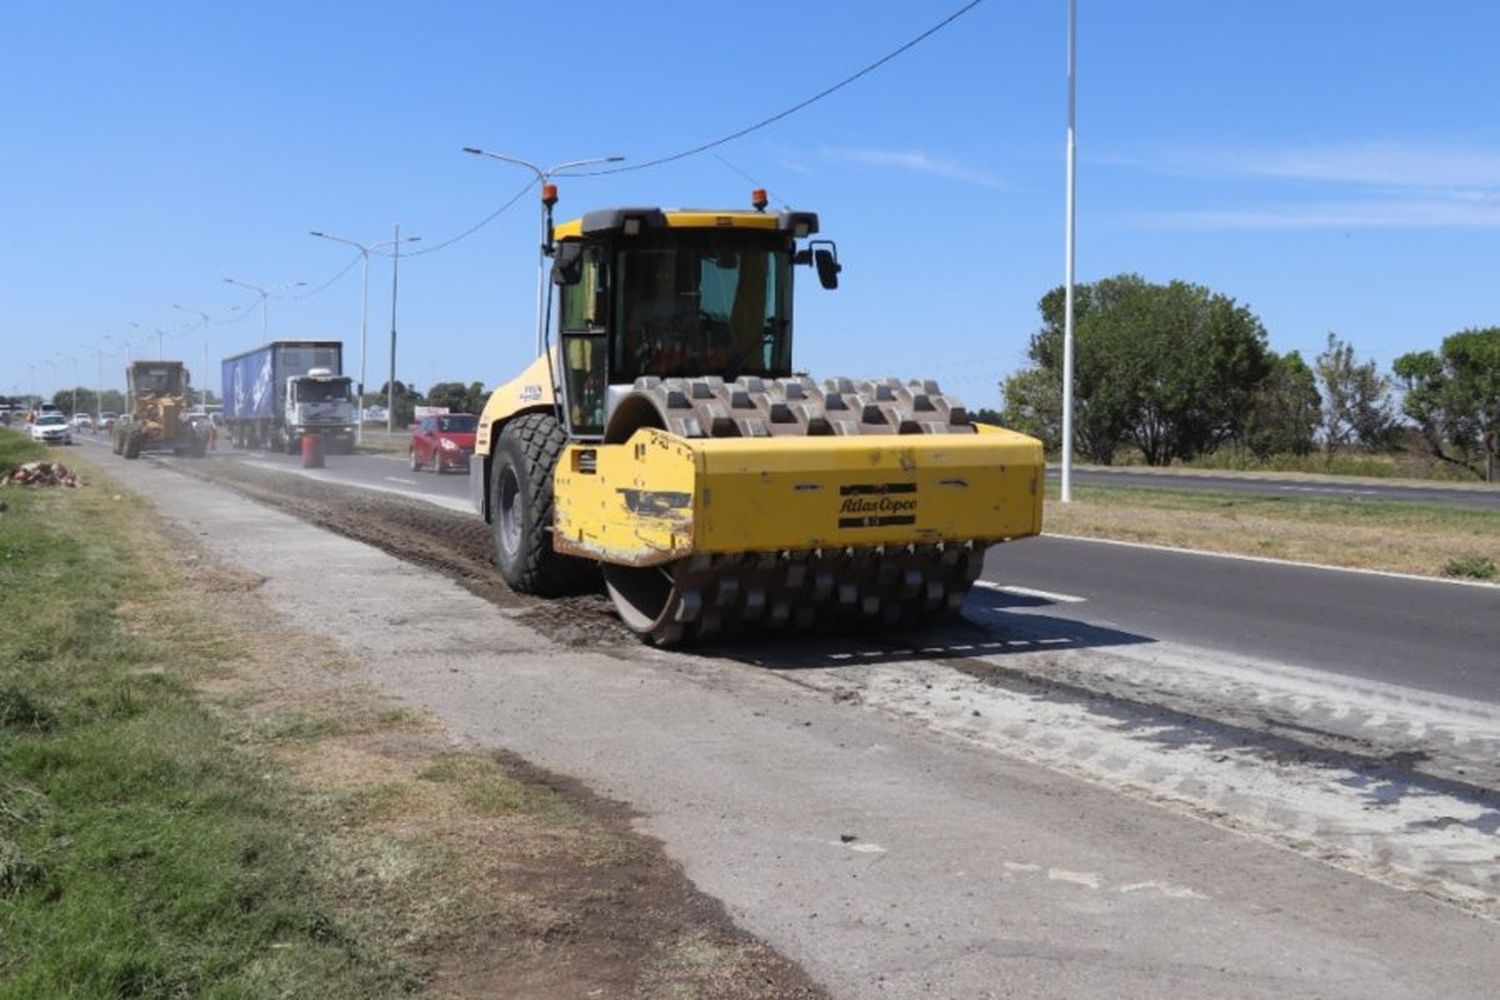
[664,437]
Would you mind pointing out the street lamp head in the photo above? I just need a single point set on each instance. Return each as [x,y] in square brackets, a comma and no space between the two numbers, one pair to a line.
[474,150]
[314,232]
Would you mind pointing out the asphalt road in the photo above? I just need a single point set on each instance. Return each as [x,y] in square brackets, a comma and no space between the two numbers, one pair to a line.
[1431,635]
[1434,635]
[1291,486]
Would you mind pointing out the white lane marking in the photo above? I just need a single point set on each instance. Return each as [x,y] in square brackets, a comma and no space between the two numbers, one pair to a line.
[1045,595]
[398,479]
[1276,562]
[448,503]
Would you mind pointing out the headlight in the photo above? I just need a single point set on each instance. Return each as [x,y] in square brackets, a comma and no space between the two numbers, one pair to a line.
[448,445]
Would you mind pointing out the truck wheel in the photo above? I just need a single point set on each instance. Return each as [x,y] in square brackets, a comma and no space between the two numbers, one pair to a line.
[521,505]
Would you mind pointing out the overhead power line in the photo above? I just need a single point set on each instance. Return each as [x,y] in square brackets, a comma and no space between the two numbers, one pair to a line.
[325,285]
[778,116]
[705,147]
[476,227]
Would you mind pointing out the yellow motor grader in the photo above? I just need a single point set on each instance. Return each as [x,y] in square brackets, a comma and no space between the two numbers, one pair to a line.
[158,420]
[665,438]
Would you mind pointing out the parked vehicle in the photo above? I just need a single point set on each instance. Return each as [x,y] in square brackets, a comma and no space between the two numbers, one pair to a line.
[277,394]
[443,441]
[51,428]
[83,422]
[107,420]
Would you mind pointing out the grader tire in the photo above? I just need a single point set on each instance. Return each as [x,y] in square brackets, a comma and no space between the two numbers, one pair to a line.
[521,500]
[132,446]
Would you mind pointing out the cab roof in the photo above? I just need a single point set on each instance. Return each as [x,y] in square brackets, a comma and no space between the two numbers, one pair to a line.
[610,220]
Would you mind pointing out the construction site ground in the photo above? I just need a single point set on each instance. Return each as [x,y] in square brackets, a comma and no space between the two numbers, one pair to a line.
[984,810]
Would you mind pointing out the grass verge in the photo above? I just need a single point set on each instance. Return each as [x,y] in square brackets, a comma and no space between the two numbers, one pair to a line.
[137,857]
[1426,539]
[196,800]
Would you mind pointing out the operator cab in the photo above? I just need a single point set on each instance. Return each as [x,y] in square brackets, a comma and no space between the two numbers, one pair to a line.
[156,378]
[675,293]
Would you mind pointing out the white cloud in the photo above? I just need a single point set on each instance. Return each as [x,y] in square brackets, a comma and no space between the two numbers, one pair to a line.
[917,161]
[1392,213]
[1388,185]
[1384,164]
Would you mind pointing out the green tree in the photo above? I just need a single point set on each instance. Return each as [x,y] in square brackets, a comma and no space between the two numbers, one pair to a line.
[453,395]
[1171,369]
[64,400]
[407,401]
[458,397]
[1356,399]
[1033,405]
[1285,411]
[475,398]
[1453,396]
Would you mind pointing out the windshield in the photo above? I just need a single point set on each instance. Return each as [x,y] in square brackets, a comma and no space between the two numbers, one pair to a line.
[714,304]
[48,419]
[458,423]
[334,391]
[156,380]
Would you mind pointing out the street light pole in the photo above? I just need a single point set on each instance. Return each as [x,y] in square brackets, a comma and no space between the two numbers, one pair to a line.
[76,377]
[1068,317]
[99,392]
[364,316]
[390,385]
[161,339]
[265,298]
[545,242]
[204,317]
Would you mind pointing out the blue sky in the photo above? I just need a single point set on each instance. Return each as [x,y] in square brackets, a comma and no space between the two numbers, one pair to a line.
[1334,164]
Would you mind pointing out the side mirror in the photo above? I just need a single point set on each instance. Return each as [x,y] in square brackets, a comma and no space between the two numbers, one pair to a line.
[567,268]
[828,267]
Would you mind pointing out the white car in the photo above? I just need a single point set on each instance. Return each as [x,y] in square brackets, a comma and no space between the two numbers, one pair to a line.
[83,422]
[51,428]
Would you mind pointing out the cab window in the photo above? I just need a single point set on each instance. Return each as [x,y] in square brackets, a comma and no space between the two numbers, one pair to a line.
[580,315]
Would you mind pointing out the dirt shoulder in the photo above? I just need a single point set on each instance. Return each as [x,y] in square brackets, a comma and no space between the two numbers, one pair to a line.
[469,872]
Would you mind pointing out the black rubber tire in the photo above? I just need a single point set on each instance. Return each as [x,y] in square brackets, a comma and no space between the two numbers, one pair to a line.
[132,446]
[521,510]
[411,455]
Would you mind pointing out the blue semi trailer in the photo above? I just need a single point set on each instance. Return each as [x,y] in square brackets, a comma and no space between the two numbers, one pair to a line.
[277,394]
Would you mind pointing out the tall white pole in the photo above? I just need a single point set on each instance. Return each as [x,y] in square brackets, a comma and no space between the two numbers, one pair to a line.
[364,326]
[1067,400]
[390,386]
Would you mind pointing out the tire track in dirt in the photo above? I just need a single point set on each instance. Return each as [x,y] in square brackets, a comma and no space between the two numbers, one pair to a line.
[455,544]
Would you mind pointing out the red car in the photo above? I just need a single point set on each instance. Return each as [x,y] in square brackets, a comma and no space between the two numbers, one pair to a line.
[443,442]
